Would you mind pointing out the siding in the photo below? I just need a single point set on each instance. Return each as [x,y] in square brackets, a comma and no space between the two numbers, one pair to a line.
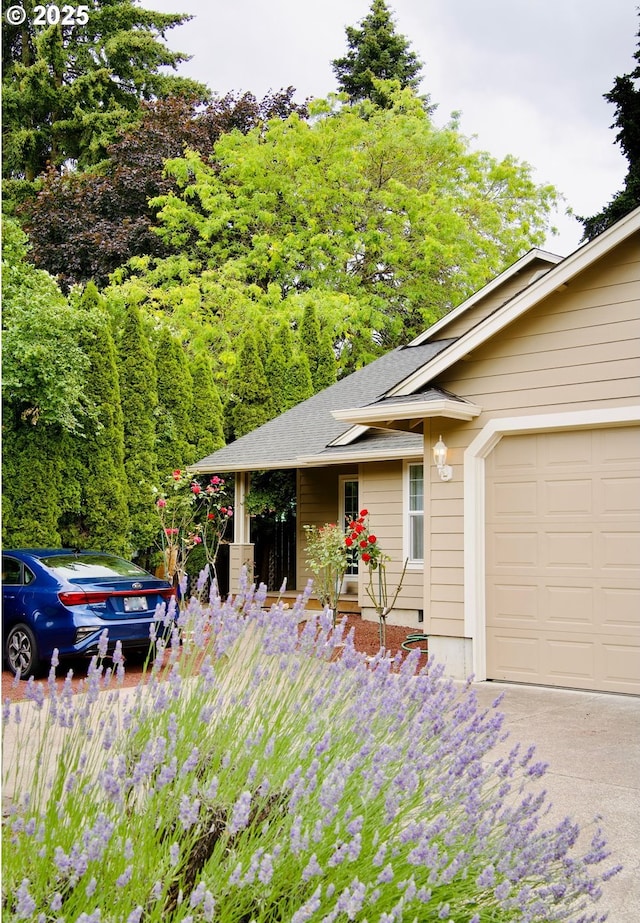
[576,350]
[317,504]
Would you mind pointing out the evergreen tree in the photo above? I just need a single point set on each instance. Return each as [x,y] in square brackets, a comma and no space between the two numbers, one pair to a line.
[250,404]
[33,474]
[317,348]
[139,400]
[96,462]
[376,52]
[175,405]
[625,96]
[207,433]
[68,90]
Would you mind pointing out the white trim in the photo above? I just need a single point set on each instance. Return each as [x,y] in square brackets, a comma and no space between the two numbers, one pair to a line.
[412,563]
[551,258]
[315,461]
[409,410]
[556,278]
[475,615]
[349,436]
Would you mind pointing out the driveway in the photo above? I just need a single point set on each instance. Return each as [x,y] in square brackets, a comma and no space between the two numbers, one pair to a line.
[592,744]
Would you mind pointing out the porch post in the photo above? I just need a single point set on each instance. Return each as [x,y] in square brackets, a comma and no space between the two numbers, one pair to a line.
[241,550]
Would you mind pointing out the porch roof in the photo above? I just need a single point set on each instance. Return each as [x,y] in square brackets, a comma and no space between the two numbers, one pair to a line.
[304,434]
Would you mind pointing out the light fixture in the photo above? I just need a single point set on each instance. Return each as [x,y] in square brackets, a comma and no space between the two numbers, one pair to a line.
[445,471]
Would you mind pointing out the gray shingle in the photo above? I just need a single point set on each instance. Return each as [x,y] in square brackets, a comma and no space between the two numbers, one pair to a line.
[308,428]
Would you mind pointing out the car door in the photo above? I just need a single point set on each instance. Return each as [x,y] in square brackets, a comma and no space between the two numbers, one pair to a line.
[15,582]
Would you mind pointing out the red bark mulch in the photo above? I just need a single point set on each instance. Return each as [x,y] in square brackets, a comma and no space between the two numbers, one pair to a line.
[366,640]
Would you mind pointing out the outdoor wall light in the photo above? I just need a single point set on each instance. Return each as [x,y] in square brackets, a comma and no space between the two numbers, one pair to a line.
[445,471]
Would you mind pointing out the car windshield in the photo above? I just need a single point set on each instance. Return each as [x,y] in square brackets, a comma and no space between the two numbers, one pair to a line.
[72,567]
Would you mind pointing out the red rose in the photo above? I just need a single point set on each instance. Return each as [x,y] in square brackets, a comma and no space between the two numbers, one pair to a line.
[359,528]
[211,516]
[348,542]
[373,539]
[363,543]
[351,525]
[195,488]
[366,557]
[364,513]
[177,474]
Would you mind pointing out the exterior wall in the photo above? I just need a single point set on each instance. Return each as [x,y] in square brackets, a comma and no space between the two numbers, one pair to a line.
[576,351]
[382,492]
[318,502]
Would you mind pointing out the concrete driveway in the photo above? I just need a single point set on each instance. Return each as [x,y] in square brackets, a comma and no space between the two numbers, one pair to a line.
[592,744]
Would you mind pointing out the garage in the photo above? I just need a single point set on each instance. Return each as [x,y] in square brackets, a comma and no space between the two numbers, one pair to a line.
[563,559]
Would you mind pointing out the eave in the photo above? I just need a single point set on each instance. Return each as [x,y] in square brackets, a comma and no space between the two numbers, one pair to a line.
[392,415]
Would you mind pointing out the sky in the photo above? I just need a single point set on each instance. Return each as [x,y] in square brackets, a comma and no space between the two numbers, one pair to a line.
[527,76]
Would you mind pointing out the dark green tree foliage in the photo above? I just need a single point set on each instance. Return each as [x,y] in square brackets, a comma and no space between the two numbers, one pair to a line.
[33,477]
[376,52]
[96,462]
[139,401]
[175,403]
[318,349]
[84,225]
[287,372]
[67,90]
[250,404]
[625,96]
[207,433]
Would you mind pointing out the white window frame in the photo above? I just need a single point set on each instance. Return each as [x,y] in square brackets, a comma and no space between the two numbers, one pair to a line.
[343,479]
[413,562]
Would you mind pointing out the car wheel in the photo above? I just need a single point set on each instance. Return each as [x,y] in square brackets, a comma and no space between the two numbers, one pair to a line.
[22,651]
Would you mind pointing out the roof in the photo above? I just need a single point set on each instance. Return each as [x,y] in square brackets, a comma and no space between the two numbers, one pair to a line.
[395,392]
[309,429]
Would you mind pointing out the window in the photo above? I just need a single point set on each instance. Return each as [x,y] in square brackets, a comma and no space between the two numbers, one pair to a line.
[349,509]
[416,513]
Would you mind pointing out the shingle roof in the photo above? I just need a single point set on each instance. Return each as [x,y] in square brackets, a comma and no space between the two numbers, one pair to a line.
[308,428]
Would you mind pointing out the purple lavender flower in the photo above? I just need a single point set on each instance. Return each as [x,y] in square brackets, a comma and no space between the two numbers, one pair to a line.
[241,810]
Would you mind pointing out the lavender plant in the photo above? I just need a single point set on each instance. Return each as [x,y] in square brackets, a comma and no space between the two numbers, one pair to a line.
[255,776]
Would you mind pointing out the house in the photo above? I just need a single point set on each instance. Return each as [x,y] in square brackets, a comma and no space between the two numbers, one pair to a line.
[524,548]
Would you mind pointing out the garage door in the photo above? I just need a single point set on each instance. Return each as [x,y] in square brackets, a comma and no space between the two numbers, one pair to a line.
[563,559]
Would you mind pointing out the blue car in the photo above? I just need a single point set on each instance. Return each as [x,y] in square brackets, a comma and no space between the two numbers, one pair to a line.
[58,598]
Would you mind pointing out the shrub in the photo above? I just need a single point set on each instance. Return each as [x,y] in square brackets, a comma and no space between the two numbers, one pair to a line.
[255,775]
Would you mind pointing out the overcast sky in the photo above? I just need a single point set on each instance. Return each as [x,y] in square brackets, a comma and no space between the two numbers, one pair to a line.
[528,76]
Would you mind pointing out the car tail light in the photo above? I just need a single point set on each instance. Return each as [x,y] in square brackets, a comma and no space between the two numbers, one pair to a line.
[82,598]
[88,598]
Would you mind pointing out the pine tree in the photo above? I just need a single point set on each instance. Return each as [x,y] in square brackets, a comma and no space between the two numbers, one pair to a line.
[376,52]
[175,404]
[625,96]
[139,400]
[68,90]
[251,403]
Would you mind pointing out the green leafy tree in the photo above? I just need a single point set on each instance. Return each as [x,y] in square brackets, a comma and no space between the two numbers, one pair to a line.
[376,52]
[67,90]
[139,402]
[175,404]
[381,219]
[44,366]
[250,404]
[207,431]
[95,463]
[625,96]
[83,225]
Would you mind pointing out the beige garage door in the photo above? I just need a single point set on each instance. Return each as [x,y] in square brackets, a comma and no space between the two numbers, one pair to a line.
[563,559]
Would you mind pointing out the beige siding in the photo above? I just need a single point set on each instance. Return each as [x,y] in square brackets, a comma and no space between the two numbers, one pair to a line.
[318,500]
[493,300]
[382,493]
[576,350]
